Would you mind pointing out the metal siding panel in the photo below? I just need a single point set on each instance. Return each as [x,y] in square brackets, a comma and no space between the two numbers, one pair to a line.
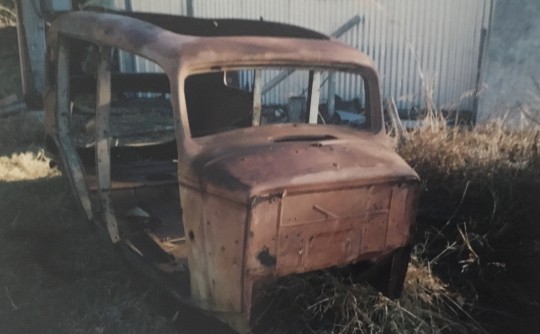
[412,41]
[416,65]
[439,55]
[407,63]
[460,40]
[453,59]
[465,56]
[396,52]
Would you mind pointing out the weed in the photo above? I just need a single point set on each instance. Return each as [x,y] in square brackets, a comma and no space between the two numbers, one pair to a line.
[477,225]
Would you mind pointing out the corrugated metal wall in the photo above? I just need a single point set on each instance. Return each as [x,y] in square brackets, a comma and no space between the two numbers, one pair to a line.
[418,45]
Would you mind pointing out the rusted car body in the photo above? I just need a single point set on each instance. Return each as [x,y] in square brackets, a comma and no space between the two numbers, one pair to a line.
[214,206]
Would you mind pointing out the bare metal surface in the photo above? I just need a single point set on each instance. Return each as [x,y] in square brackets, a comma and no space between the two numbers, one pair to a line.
[256,203]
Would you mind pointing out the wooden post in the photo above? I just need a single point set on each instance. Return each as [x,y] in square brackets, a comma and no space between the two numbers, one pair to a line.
[31,39]
[314,94]
[103,142]
[331,94]
[257,97]
[70,157]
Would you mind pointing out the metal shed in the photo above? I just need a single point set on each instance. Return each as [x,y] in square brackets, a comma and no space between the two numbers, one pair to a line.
[426,50]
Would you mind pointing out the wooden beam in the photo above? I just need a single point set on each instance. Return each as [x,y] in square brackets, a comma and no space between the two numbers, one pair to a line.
[257,97]
[69,156]
[103,142]
[31,37]
[314,94]
[331,106]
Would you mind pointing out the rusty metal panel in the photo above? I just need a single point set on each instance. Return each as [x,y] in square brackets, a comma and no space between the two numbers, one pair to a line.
[262,243]
[176,7]
[419,45]
[292,198]
[397,228]
[215,231]
[330,228]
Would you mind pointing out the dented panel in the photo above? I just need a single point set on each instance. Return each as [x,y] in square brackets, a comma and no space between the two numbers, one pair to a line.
[215,229]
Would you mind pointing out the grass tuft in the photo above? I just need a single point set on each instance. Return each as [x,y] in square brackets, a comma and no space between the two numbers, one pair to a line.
[478,227]
[26,166]
[324,303]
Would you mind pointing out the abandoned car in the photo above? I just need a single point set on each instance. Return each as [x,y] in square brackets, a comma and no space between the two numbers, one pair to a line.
[225,154]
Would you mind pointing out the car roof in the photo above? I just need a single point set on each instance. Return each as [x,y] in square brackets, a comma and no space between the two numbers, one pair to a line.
[173,43]
[202,27]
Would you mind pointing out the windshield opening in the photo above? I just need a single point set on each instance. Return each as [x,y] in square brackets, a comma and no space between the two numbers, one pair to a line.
[227,100]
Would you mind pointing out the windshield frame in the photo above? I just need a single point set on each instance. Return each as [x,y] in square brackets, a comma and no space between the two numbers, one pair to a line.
[368,74]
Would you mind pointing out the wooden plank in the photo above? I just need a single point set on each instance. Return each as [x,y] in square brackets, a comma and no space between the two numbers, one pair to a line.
[103,142]
[315,91]
[31,32]
[331,94]
[12,109]
[257,96]
[70,157]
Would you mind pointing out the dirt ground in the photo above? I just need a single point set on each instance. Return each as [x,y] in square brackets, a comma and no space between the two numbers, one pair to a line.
[58,275]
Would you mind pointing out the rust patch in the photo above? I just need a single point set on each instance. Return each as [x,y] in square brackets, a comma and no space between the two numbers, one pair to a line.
[266,258]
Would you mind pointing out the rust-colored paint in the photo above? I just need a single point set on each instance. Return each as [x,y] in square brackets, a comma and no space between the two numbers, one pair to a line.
[257,203]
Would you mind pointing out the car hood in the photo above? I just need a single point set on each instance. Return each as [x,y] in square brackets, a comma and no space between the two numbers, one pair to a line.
[247,163]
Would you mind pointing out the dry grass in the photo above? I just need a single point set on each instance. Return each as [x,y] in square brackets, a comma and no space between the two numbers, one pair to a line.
[8,17]
[324,303]
[478,221]
[21,155]
[490,151]
[26,166]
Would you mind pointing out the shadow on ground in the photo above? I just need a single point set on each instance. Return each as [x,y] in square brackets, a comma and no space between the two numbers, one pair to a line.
[58,275]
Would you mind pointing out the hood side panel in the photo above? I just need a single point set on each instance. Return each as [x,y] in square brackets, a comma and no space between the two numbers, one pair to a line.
[215,235]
